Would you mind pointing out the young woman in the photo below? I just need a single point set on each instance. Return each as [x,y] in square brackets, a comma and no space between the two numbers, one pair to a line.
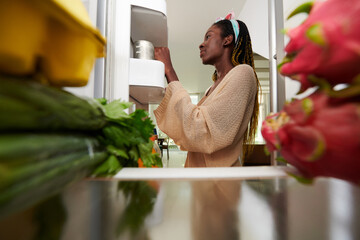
[218,130]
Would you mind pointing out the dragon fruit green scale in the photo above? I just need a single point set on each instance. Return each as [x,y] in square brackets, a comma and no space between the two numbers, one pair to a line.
[326,44]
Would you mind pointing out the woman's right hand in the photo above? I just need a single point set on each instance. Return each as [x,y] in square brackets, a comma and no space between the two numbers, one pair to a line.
[163,54]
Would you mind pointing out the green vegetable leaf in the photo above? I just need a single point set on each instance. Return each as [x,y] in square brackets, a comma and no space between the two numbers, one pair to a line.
[115,109]
[127,136]
[134,153]
[117,152]
[102,101]
[148,158]
[110,167]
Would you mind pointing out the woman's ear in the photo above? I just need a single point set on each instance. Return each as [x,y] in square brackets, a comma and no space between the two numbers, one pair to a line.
[228,40]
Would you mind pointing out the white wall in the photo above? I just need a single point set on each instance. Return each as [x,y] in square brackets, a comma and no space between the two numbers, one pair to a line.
[255,15]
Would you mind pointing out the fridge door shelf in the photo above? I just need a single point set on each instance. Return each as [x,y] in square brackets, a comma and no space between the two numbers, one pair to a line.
[146,80]
[149,22]
[147,94]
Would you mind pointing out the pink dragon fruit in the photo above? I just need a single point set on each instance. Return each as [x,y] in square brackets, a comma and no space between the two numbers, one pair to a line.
[318,135]
[326,45]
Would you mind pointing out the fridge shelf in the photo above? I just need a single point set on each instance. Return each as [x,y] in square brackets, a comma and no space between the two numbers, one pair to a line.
[149,22]
[146,80]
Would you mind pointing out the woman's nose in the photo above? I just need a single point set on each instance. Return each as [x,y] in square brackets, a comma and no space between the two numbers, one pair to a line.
[201,46]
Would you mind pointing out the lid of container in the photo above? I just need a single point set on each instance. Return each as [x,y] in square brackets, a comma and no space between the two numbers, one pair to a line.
[73,12]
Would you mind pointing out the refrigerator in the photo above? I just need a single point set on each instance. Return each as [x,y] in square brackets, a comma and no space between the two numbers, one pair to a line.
[120,75]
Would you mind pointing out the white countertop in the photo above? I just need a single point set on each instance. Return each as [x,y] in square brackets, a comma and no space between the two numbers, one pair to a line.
[201,173]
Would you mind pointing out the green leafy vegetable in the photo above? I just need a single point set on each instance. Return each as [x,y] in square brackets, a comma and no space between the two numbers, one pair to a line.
[127,138]
[50,138]
[115,109]
[110,166]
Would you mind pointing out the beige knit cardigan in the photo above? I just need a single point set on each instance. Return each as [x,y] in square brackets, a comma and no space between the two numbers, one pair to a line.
[211,131]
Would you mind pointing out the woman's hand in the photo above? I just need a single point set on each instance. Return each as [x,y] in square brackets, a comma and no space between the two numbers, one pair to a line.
[163,54]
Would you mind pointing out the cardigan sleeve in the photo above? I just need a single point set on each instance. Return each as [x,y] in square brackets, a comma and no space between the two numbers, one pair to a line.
[214,124]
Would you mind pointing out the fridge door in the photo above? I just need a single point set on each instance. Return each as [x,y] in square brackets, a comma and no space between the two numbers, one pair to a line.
[97,10]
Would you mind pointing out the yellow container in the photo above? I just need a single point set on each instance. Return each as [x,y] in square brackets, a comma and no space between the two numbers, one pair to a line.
[51,37]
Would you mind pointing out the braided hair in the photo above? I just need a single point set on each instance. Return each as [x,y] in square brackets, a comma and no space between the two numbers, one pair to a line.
[242,54]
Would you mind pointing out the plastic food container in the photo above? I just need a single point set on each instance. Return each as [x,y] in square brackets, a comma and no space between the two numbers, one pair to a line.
[52,37]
